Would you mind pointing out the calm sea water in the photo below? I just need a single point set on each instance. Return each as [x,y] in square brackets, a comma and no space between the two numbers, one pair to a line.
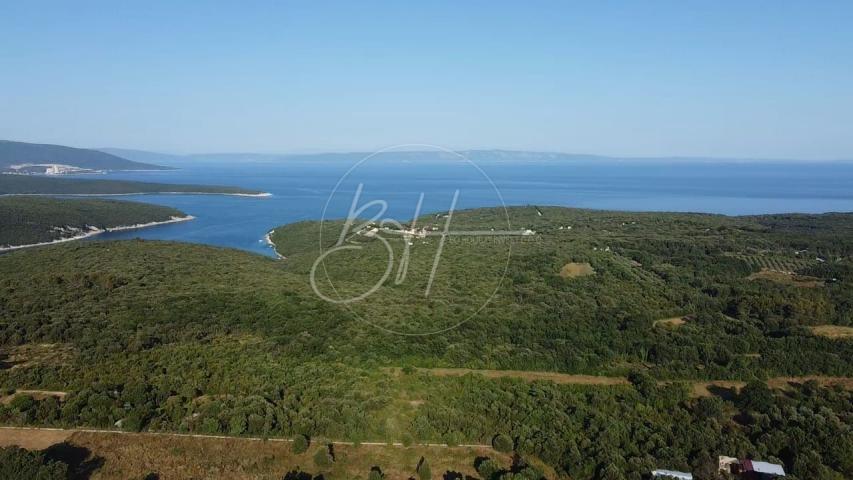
[301,191]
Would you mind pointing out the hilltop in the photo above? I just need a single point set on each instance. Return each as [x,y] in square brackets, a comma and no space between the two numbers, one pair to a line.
[26,158]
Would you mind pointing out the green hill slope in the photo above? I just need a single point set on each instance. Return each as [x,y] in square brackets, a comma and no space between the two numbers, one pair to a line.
[20,153]
[33,220]
[40,185]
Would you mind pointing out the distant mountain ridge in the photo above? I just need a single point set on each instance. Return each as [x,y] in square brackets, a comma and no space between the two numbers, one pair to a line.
[22,157]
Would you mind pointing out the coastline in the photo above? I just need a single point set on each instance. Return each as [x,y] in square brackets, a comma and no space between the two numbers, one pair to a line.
[268,241]
[254,195]
[92,231]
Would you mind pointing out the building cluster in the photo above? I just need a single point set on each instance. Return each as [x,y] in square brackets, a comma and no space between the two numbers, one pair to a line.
[731,467]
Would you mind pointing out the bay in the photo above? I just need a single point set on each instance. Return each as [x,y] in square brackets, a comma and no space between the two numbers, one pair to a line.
[301,191]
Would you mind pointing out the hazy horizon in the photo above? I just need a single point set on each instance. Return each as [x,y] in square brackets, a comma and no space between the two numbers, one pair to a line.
[321,151]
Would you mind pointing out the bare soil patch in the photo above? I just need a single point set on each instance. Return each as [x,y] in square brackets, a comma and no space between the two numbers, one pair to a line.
[574,270]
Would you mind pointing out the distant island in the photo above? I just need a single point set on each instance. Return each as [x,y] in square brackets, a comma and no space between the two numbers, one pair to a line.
[44,185]
[34,221]
[32,158]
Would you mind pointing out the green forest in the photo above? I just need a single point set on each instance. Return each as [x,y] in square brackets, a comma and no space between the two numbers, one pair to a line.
[46,185]
[163,336]
[29,220]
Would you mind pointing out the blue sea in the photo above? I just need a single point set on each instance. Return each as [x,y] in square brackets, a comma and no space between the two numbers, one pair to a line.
[304,190]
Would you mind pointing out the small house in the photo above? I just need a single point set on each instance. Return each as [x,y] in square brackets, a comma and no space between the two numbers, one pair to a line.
[751,469]
[664,474]
[761,470]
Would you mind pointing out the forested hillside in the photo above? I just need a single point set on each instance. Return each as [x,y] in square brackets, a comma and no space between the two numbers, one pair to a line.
[711,270]
[31,220]
[40,185]
[177,337]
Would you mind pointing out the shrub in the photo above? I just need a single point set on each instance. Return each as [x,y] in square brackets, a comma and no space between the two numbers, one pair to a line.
[487,469]
[755,396]
[22,403]
[643,383]
[502,443]
[300,444]
[322,458]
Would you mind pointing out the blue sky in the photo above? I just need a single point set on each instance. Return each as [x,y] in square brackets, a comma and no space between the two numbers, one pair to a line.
[769,79]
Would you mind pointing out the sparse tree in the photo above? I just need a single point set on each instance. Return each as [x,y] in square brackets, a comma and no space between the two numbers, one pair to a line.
[424,472]
[375,474]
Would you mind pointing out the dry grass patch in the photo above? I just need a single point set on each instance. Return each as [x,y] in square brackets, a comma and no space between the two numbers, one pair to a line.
[36,394]
[832,331]
[48,354]
[699,389]
[32,439]
[574,270]
[706,389]
[529,376]
[787,278]
[785,383]
[173,457]
[670,322]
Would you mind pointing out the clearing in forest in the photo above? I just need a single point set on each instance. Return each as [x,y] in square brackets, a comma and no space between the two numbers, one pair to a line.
[699,388]
[670,322]
[706,389]
[36,394]
[787,278]
[31,438]
[559,378]
[832,331]
[136,455]
[27,355]
[573,270]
